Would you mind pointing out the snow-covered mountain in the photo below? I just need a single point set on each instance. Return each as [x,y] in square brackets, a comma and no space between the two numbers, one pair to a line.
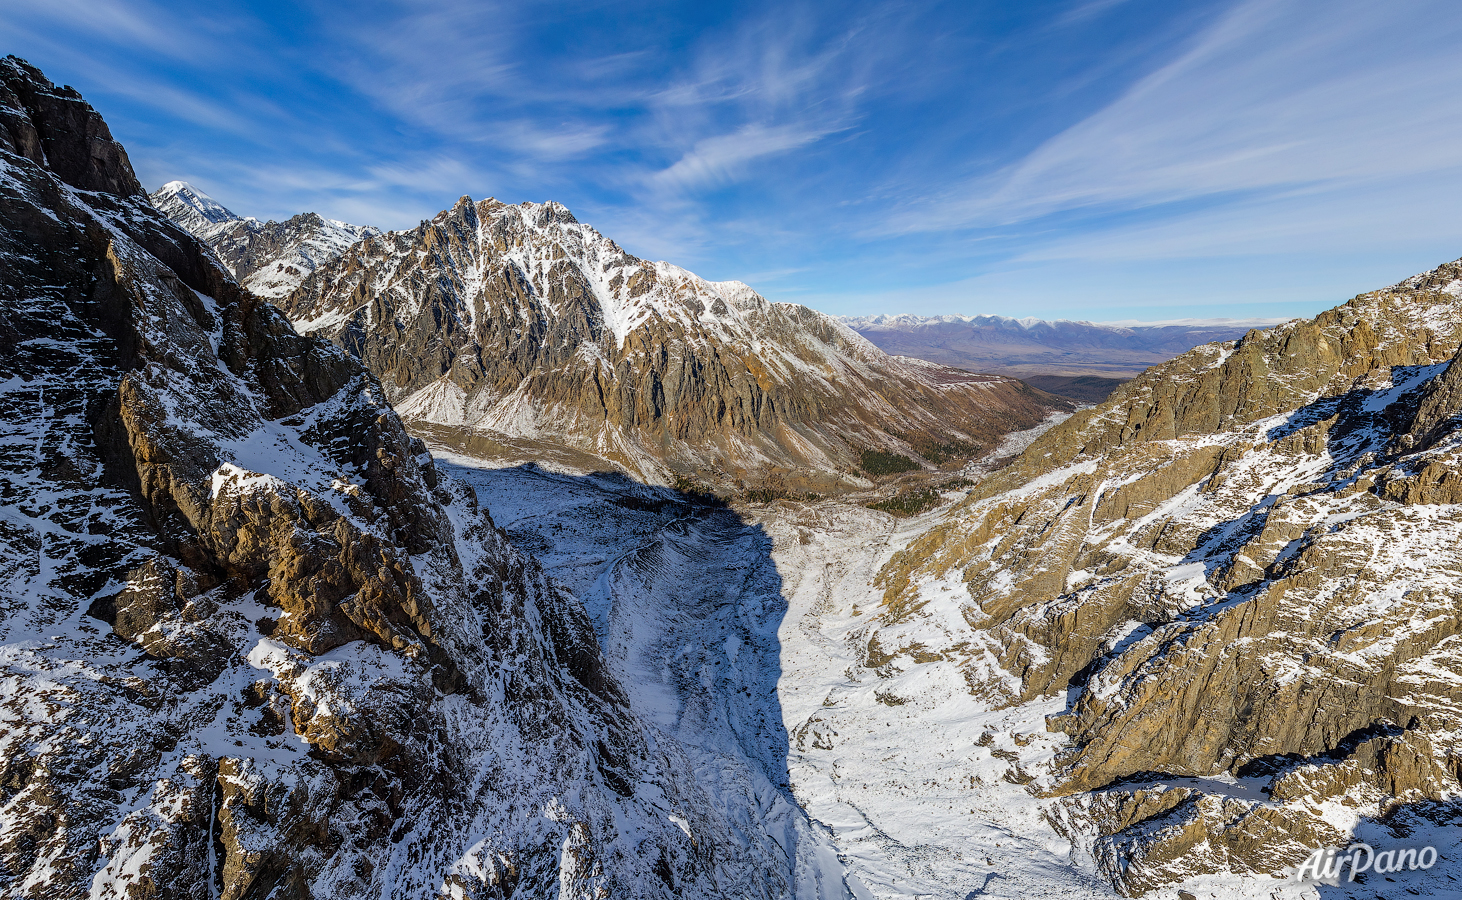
[1218,615]
[194,210]
[269,258]
[498,328]
[254,642]
[1027,348]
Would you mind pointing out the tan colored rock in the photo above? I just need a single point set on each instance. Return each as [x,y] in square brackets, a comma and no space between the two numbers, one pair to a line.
[496,325]
[1242,564]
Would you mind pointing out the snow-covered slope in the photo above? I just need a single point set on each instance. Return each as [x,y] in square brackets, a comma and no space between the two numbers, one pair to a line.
[253,642]
[1231,593]
[733,631]
[496,325]
[269,258]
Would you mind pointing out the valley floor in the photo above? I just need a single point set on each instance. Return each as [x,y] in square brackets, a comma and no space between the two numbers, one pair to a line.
[740,633]
[743,634]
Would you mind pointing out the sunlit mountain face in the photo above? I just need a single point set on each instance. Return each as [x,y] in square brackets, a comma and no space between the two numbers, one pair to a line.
[947,467]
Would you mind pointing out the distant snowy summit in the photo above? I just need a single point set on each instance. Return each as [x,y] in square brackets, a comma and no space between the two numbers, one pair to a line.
[1096,356]
[269,258]
[193,209]
[1031,323]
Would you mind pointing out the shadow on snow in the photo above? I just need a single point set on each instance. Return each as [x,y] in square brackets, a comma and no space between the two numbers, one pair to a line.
[684,595]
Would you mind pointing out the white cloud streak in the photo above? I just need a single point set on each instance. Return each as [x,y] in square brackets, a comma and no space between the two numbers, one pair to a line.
[719,159]
[1278,98]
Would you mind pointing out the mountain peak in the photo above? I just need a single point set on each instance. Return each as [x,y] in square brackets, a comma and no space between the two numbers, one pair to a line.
[268,258]
[179,200]
[520,323]
[554,211]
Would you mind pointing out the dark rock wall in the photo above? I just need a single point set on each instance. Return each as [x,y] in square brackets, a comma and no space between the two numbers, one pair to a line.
[254,644]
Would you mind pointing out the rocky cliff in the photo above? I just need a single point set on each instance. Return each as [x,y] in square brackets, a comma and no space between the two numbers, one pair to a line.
[252,642]
[495,325]
[1241,573]
[269,258]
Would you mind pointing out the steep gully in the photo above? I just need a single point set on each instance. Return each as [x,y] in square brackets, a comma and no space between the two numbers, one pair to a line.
[735,633]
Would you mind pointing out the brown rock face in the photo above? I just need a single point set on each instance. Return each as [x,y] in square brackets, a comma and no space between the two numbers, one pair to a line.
[1239,567]
[253,643]
[55,128]
[519,325]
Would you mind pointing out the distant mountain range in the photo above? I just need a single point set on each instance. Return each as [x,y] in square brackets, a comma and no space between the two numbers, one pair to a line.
[516,332]
[269,258]
[1085,360]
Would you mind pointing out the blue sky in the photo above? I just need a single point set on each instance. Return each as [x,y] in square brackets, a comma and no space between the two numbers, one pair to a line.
[1091,159]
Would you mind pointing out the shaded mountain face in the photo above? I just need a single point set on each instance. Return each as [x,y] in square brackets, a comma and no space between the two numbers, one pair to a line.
[1089,389]
[1032,347]
[254,643]
[269,258]
[1241,572]
[517,325]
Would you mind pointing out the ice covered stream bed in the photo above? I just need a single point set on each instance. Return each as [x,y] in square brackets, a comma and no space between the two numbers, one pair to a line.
[742,634]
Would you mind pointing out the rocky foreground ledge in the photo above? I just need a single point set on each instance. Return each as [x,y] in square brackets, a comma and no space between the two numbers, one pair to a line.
[252,642]
[1242,572]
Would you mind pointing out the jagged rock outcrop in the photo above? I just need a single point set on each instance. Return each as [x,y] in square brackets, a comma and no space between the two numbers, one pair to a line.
[496,325]
[269,258]
[55,128]
[1242,568]
[252,643]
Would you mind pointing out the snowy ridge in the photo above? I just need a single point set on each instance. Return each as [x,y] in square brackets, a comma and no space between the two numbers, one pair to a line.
[269,258]
[1186,580]
[544,329]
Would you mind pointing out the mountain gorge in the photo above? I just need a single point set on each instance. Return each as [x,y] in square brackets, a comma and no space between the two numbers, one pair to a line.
[342,563]
[253,641]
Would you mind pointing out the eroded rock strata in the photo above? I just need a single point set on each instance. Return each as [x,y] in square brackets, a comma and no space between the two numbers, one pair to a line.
[252,642]
[1241,569]
[495,324]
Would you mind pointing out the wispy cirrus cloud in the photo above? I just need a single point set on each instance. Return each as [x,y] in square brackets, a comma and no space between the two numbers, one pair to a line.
[139,23]
[1083,11]
[718,159]
[1271,100]
[840,150]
